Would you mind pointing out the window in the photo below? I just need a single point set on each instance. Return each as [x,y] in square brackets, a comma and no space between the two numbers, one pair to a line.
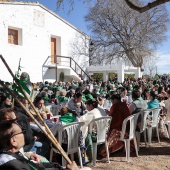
[12,36]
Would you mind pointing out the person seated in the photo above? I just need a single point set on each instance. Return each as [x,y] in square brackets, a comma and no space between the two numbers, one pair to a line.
[31,145]
[103,90]
[11,141]
[93,112]
[153,103]
[138,103]
[68,86]
[77,104]
[10,115]
[161,101]
[67,116]
[39,105]
[145,94]
[95,92]
[161,90]
[86,90]
[61,97]
[74,84]
[46,97]
[119,111]
[5,101]
[70,93]
[124,97]
[60,86]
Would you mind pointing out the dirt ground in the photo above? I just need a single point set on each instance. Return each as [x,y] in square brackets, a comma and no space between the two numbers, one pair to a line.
[154,157]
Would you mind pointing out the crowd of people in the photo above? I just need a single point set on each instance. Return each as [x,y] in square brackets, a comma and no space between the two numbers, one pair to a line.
[77,102]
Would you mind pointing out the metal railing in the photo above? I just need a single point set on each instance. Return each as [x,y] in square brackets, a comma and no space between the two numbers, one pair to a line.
[56,60]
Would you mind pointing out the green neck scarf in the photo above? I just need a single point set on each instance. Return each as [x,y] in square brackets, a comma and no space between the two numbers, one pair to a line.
[68,118]
[140,98]
[62,99]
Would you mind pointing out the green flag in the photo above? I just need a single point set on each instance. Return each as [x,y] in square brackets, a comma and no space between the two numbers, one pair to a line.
[156,76]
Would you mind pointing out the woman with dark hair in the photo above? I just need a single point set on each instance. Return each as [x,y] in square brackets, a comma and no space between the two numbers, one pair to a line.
[5,102]
[93,113]
[124,97]
[119,111]
[153,103]
[161,90]
[39,105]
[145,94]
[77,104]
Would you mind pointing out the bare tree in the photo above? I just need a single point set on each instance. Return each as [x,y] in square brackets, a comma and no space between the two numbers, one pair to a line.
[139,8]
[147,7]
[79,50]
[124,33]
[150,65]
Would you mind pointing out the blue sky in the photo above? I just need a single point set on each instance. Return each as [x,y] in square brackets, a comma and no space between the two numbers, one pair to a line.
[76,17]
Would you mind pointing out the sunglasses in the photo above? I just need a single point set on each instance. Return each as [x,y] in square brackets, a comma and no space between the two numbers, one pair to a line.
[22,132]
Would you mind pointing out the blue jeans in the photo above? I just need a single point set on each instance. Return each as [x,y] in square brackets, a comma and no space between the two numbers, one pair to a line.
[40,148]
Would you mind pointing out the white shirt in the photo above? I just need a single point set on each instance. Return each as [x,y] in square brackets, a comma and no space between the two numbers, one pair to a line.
[88,117]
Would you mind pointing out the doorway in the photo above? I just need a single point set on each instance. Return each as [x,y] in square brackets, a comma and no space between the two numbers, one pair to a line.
[53,50]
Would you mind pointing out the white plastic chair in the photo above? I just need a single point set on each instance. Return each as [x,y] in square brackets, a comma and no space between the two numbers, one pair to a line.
[131,135]
[72,131]
[167,122]
[154,124]
[144,115]
[103,125]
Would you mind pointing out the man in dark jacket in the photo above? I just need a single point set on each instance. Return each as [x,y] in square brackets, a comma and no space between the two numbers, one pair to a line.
[11,141]
[40,148]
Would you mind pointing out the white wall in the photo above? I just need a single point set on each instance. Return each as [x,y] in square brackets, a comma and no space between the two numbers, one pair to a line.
[37,26]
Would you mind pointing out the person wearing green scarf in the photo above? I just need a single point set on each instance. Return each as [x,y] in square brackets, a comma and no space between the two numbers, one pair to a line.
[61,97]
[67,116]
[138,103]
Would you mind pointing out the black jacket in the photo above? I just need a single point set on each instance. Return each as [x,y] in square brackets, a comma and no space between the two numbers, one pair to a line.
[23,121]
[18,162]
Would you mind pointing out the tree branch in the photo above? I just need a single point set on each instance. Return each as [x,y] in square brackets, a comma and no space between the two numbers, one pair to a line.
[146,7]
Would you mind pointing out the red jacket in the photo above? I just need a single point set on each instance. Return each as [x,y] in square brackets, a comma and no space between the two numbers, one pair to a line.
[118,112]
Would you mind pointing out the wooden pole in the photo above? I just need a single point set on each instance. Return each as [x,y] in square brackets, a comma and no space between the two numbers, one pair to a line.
[49,134]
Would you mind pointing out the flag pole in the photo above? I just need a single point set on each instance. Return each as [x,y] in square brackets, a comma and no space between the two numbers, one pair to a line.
[49,134]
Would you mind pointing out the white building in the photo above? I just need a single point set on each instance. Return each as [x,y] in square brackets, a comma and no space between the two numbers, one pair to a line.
[120,69]
[32,32]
